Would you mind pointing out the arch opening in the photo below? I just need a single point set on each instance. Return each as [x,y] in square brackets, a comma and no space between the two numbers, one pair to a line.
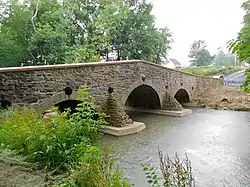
[73,104]
[144,97]
[67,104]
[5,104]
[182,96]
[225,100]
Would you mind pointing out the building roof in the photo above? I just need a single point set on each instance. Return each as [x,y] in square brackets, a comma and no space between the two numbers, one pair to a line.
[176,62]
[167,60]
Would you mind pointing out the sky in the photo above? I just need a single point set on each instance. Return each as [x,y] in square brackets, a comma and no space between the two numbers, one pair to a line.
[215,21]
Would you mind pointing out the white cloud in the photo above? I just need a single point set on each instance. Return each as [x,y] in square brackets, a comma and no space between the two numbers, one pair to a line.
[216,21]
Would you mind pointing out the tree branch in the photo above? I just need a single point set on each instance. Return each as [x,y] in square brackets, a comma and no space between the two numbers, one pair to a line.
[34,16]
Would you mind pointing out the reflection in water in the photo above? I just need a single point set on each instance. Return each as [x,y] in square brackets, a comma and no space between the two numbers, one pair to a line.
[217,143]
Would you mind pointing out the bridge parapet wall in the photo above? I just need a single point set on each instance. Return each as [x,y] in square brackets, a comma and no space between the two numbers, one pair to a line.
[38,84]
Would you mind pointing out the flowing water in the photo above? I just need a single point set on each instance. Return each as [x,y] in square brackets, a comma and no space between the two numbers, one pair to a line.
[217,143]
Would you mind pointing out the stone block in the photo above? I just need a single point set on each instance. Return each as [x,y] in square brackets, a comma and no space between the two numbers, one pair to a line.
[133,128]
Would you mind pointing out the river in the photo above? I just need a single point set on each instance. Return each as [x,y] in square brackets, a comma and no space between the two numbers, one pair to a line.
[217,143]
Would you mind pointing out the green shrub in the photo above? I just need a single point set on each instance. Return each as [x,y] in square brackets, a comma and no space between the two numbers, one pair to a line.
[95,170]
[246,85]
[20,129]
[56,142]
[175,173]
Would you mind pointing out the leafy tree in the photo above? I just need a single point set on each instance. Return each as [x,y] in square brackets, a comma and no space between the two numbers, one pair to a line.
[199,54]
[146,42]
[241,46]
[2,9]
[53,32]
[35,37]
[132,33]
[223,59]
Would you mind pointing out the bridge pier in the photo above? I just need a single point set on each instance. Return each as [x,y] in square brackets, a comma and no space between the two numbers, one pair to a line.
[120,124]
[171,104]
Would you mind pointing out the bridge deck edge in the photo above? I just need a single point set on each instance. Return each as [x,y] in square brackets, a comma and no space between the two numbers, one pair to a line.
[89,64]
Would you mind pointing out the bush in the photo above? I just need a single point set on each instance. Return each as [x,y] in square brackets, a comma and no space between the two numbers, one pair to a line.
[246,85]
[56,142]
[20,129]
[95,169]
[175,173]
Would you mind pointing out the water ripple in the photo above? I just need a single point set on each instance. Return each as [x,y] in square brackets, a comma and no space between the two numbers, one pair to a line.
[217,143]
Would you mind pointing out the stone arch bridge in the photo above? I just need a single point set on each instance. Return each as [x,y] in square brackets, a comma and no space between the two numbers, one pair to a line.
[133,83]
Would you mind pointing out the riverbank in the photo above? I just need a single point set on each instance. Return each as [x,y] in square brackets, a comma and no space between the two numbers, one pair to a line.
[15,171]
[224,98]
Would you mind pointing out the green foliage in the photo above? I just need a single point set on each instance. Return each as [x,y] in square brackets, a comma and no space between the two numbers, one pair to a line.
[246,85]
[14,32]
[223,59]
[62,142]
[241,45]
[151,175]
[55,142]
[95,169]
[175,173]
[36,32]
[199,54]
[212,70]
[135,37]
[20,129]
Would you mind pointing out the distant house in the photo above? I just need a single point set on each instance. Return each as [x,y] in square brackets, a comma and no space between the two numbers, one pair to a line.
[170,63]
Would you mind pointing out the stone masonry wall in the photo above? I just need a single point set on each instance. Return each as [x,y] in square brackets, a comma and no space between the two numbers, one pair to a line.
[34,85]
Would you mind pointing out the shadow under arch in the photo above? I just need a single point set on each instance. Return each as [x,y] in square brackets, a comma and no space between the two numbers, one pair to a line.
[67,104]
[135,85]
[145,97]
[182,96]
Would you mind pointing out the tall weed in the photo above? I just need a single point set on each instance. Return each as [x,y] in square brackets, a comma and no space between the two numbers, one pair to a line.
[95,169]
[174,172]
[20,129]
[55,142]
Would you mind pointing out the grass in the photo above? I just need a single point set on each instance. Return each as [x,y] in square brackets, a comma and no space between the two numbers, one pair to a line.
[211,70]
[63,144]
[95,169]
[53,143]
[15,171]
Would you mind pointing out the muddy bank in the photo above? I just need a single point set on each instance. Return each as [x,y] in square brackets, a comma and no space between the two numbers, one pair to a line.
[14,171]
[224,98]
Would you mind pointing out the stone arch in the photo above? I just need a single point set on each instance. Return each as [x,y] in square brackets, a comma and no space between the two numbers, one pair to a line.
[144,96]
[182,96]
[5,103]
[224,100]
[137,84]
[53,100]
